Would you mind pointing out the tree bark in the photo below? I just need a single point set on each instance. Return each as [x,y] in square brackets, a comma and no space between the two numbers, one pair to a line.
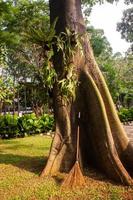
[103,140]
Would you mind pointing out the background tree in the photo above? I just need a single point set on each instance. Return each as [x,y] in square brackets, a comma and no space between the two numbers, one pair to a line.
[125,27]
[21,21]
[100,45]
[7,92]
[117,70]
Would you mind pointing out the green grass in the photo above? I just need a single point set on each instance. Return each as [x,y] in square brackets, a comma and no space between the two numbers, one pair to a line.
[22,160]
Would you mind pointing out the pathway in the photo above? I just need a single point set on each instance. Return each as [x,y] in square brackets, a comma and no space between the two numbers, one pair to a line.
[129,131]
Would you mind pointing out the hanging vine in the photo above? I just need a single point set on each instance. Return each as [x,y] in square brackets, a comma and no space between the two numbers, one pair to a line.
[66,43]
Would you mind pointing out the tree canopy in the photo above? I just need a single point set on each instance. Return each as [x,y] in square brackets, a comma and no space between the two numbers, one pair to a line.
[125,27]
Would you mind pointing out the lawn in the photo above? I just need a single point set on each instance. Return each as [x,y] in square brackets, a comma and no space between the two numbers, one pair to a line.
[21,161]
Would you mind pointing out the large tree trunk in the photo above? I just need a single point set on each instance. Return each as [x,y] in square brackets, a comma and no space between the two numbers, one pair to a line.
[103,141]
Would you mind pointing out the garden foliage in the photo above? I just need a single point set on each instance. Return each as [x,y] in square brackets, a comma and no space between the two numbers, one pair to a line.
[126,115]
[13,126]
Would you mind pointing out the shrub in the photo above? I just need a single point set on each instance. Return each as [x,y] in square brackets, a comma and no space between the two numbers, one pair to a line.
[9,126]
[29,124]
[47,123]
[13,126]
[126,115]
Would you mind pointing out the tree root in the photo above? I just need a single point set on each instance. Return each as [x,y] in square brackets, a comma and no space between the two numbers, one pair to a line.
[101,136]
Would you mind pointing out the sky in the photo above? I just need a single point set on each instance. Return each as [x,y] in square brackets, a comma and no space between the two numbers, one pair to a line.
[106,17]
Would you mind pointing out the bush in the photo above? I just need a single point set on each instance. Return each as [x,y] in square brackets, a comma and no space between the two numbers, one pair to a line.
[9,126]
[126,115]
[29,124]
[47,123]
[14,126]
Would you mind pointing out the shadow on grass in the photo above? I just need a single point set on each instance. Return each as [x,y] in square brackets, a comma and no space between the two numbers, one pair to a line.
[58,179]
[32,164]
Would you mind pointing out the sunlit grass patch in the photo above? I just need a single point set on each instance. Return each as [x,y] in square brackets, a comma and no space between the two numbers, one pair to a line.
[22,160]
